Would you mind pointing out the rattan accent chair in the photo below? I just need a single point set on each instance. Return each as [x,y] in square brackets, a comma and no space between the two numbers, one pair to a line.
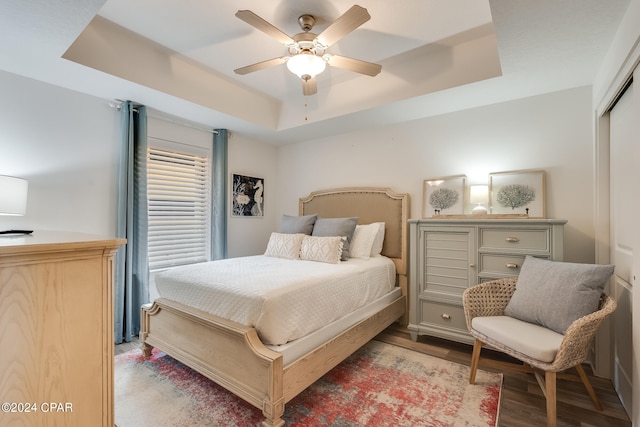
[491,298]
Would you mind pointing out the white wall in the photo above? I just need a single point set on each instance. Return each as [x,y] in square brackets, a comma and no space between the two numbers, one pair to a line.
[249,235]
[66,145]
[551,132]
[63,143]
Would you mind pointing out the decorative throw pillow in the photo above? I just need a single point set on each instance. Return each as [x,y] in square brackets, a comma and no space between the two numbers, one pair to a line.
[555,294]
[283,245]
[376,248]
[297,224]
[362,240]
[336,227]
[322,249]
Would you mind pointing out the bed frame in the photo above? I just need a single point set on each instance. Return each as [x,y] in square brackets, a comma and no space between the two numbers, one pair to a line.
[233,356]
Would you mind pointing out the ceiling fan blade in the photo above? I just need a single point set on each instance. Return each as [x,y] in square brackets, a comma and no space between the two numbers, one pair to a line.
[347,22]
[310,86]
[261,65]
[264,26]
[355,65]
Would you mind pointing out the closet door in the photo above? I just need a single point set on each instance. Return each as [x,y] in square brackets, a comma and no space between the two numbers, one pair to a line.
[624,149]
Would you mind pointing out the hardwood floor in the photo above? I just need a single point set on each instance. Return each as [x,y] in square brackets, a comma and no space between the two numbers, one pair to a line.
[522,404]
[126,346]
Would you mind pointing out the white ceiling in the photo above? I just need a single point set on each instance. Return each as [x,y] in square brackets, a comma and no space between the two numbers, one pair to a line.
[178,57]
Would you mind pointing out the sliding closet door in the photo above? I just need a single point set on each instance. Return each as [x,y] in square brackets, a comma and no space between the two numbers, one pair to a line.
[624,149]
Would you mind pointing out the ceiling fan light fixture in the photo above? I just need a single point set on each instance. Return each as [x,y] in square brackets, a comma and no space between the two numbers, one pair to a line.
[306,65]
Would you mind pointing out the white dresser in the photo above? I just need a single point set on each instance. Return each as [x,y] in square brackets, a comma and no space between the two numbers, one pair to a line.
[449,255]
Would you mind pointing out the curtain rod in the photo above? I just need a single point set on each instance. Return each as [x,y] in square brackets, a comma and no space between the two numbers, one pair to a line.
[117,104]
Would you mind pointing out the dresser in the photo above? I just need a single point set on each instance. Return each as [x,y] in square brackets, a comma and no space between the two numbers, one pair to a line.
[449,255]
[56,329]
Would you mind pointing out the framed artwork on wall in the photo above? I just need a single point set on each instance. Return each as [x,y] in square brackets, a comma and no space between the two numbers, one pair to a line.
[518,193]
[443,196]
[247,196]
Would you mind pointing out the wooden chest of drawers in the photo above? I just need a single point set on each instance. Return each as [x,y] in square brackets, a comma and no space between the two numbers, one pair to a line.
[447,256]
[56,323]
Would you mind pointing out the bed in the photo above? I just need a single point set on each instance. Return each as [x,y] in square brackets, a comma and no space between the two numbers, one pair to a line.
[268,376]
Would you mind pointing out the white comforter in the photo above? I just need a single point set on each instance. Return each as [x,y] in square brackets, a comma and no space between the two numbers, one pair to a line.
[283,299]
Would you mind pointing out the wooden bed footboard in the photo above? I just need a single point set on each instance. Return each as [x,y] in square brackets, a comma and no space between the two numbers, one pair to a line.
[226,352]
[233,356]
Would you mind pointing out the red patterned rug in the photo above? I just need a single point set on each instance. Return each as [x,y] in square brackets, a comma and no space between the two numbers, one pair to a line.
[379,385]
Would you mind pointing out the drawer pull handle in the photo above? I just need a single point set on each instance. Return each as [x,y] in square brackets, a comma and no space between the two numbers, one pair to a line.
[510,265]
[446,316]
[512,239]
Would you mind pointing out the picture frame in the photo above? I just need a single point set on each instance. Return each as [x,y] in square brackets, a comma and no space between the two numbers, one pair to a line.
[520,193]
[444,196]
[247,198]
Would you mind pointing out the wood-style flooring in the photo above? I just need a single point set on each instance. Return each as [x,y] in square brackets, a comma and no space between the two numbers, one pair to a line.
[522,402]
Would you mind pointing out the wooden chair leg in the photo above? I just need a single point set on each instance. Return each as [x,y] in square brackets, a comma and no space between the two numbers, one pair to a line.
[589,387]
[475,360]
[550,394]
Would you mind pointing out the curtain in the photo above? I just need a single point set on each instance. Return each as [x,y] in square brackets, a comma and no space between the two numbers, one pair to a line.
[132,268]
[218,196]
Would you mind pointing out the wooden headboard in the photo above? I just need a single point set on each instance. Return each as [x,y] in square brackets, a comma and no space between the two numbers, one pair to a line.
[369,205]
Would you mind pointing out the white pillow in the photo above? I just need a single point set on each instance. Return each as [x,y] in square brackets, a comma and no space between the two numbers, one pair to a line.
[323,249]
[363,239]
[284,245]
[376,248]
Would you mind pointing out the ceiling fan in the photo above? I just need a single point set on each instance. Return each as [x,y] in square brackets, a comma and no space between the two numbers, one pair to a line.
[307,51]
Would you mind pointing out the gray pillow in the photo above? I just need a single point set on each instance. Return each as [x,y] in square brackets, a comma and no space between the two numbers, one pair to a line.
[337,227]
[297,224]
[555,294]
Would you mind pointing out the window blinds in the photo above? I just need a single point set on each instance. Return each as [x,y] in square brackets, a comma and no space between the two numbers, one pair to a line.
[179,200]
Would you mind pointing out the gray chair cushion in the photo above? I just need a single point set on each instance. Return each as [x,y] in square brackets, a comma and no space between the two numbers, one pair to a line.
[555,294]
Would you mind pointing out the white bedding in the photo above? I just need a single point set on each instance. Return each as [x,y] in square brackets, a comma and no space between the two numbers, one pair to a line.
[283,299]
[293,350]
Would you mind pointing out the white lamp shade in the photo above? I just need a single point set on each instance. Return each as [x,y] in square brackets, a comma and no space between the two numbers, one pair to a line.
[306,64]
[478,194]
[13,195]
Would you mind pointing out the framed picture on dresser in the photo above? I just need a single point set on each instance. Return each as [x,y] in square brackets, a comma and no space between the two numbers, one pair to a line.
[518,193]
[443,196]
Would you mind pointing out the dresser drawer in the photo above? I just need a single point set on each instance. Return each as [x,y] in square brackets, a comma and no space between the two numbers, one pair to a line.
[445,315]
[501,265]
[513,239]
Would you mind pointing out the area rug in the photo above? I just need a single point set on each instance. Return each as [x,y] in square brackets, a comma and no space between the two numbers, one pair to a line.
[379,385]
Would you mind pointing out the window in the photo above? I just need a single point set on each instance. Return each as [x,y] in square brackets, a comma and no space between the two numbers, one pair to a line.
[179,204]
